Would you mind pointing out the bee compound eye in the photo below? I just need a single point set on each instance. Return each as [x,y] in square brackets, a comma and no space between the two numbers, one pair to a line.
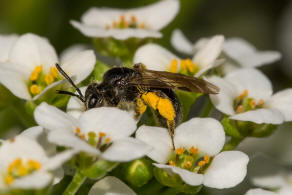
[92,102]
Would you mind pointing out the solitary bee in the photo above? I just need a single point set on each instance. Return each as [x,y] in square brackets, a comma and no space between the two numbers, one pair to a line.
[136,88]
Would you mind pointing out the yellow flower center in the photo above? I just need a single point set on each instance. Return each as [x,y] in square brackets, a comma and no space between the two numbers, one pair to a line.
[243,103]
[38,80]
[187,67]
[20,168]
[189,159]
[124,22]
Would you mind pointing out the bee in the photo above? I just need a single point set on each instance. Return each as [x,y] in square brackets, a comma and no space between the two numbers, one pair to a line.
[138,88]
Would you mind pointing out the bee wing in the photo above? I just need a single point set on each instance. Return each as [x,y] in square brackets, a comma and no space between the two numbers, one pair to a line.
[162,79]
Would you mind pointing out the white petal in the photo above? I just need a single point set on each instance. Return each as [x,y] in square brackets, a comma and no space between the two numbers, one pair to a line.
[121,34]
[68,139]
[6,42]
[257,84]
[286,190]
[57,160]
[223,101]
[282,101]
[126,149]
[21,147]
[52,118]
[188,177]
[14,80]
[31,50]
[180,42]
[154,57]
[161,14]
[206,134]
[114,122]
[246,55]
[110,186]
[207,55]
[226,170]
[80,66]
[72,51]
[159,139]
[260,116]
[258,191]
[37,180]
[33,132]
[75,107]
[271,181]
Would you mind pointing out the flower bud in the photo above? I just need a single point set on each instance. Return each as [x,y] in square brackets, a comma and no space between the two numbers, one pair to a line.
[138,172]
[99,169]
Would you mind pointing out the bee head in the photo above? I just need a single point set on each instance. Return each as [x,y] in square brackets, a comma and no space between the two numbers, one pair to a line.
[94,96]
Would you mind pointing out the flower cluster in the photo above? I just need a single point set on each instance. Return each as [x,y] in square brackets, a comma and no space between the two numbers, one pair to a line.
[124,153]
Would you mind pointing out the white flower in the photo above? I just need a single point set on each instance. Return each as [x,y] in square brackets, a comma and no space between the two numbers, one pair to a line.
[6,42]
[72,51]
[31,69]
[101,131]
[24,164]
[236,49]
[247,95]
[121,24]
[158,58]
[75,107]
[282,182]
[110,186]
[259,191]
[197,159]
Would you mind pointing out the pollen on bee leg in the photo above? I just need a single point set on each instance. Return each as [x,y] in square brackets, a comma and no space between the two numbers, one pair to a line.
[166,109]
[180,151]
[173,65]
[34,89]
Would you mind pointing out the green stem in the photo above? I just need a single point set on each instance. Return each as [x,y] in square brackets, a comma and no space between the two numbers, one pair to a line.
[232,143]
[208,107]
[75,184]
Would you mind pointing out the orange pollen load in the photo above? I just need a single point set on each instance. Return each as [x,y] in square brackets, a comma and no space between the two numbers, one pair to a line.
[180,151]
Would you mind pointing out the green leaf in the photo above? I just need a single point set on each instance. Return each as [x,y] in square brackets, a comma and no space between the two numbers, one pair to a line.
[187,99]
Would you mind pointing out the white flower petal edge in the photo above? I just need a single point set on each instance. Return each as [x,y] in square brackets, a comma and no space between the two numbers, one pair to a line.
[282,101]
[75,107]
[6,42]
[52,118]
[224,100]
[110,186]
[272,181]
[154,57]
[257,84]
[247,55]
[36,180]
[260,116]
[159,139]
[126,149]
[188,177]
[181,43]
[226,170]
[259,191]
[72,51]
[200,133]
[114,122]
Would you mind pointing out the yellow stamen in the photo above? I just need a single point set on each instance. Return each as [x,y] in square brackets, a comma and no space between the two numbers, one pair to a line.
[12,140]
[242,95]
[188,164]
[206,158]
[239,109]
[22,171]
[34,76]
[9,179]
[115,24]
[173,66]
[107,140]
[260,103]
[102,134]
[171,163]
[82,136]
[252,103]
[142,25]
[201,163]
[133,19]
[49,79]
[38,69]
[54,72]
[190,65]
[180,151]
[35,165]
[77,130]
[193,150]
[34,89]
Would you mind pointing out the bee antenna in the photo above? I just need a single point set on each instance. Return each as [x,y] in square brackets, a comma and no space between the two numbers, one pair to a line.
[80,96]
[71,94]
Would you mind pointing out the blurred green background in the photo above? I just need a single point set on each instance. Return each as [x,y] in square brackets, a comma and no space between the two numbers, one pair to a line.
[265,24]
